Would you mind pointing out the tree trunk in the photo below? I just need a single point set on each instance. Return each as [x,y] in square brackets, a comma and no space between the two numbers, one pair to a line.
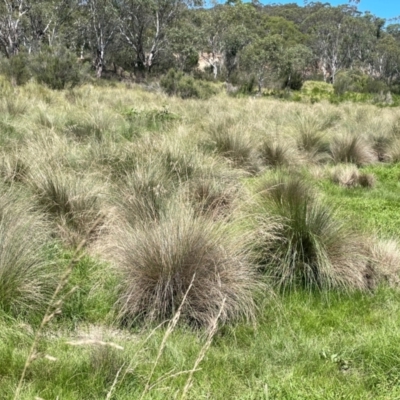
[99,63]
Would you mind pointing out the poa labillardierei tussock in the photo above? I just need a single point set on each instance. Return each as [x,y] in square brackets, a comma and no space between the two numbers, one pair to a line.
[156,261]
[276,152]
[71,202]
[313,248]
[346,175]
[350,148]
[26,276]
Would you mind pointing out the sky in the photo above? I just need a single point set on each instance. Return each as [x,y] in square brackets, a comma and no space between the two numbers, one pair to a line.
[381,8]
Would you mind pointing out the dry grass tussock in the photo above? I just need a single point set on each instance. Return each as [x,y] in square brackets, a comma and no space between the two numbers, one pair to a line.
[235,144]
[70,201]
[157,262]
[352,149]
[313,248]
[276,152]
[385,260]
[348,175]
[26,277]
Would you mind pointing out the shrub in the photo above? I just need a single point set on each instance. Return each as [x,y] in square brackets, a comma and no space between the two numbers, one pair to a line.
[178,84]
[16,68]
[352,149]
[313,248]
[56,68]
[356,81]
[293,80]
[26,275]
[158,262]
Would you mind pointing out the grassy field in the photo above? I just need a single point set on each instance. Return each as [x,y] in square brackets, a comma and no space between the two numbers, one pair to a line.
[235,248]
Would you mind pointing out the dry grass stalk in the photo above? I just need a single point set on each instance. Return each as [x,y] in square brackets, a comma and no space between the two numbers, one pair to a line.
[203,351]
[170,329]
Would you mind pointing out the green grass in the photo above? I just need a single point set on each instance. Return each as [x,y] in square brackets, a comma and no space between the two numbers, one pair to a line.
[118,152]
[375,209]
[304,346]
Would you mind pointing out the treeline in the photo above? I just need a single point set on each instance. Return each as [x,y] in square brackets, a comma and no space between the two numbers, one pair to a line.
[246,44]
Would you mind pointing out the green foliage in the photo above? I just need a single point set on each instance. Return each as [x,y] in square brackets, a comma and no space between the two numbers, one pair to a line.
[56,68]
[17,68]
[355,81]
[179,84]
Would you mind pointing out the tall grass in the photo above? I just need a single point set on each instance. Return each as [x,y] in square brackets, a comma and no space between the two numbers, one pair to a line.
[313,248]
[27,276]
[158,261]
[352,149]
[71,202]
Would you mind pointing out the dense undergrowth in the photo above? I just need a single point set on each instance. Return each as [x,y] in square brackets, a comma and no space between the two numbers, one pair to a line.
[154,247]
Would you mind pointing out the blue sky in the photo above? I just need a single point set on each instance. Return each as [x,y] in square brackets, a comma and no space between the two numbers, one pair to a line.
[381,8]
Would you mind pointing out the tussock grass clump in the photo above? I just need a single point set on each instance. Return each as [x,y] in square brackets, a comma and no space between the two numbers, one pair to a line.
[159,261]
[70,201]
[366,180]
[394,152]
[309,132]
[348,175]
[235,145]
[385,260]
[211,197]
[352,149]
[313,248]
[12,168]
[26,276]
[314,145]
[381,144]
[278,153]
[142,194]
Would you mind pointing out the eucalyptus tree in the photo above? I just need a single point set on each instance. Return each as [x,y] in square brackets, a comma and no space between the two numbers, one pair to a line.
[338,38]
[27,23]
[144,25]
[387,58]
[101,20]
[263,57]
[13,25]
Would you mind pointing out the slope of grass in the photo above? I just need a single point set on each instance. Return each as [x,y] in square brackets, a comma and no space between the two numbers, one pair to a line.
[123,154]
